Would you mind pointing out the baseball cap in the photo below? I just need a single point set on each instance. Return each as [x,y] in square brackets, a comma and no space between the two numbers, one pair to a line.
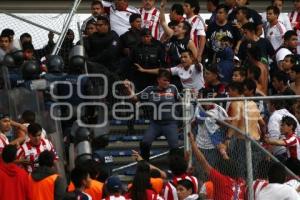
[113,183]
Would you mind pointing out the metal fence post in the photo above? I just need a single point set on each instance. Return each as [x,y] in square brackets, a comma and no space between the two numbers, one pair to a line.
[248,154]
[186,121]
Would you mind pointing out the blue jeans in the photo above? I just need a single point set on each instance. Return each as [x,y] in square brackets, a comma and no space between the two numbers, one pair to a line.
[156,129]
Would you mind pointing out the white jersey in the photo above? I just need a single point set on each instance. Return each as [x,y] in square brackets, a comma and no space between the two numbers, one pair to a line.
[31,153]
[283,18]
[3,141]
[119,20]
[275,34]
[258,185]
[295,22]
[294,184]
[198,28]
[150,20]
[190,78]
[276,191]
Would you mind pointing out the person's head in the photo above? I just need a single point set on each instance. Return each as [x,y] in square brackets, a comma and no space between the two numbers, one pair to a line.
[113,185]
[211,74]
[5,124]
[187,59]
[191,7]
[288,125]
[70,35]
[148,4]
[97,8]
[278,4]
[249,30]
[163,78]
[90,28]
[141,181]
[28,51]
[211,5]
[25,37]
[242,2]
[277,173]
[9,153]
[235,89]
[46,159]
[135,21]
[5,42]
[229,168]
[280,80]
[146,36]
[295,73]
[239,74]
[253,72]
[177,164]
[242,13]
[276,105]
[35,133]
[226,41]
[121,5]
[272,13]
[249,88]
[184,189]
[102,25]
[288,62]
[183,29]
[290,39]
[28,117]
[176,12]
[9,32]
[222,13]
[80,178]
[230,3]
[297,4]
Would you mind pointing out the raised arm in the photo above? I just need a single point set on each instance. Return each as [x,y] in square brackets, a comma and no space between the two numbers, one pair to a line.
[167,30]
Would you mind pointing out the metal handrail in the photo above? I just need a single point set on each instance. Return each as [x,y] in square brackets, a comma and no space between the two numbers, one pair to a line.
[242,98]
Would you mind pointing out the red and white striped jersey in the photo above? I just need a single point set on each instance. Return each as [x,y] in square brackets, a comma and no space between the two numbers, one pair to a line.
[258,185]
[295,22]
[275,34]
[150,20]
[3,142]
[170,192]
[31,153]
[292,142]
[198,28]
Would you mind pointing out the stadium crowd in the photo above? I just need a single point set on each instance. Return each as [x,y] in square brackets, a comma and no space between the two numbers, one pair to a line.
[237,52]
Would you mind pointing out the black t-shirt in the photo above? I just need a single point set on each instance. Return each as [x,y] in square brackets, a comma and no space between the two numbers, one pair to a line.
[215,33]
[174,47]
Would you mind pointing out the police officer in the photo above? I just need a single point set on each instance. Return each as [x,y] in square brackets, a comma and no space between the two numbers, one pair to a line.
[162,96]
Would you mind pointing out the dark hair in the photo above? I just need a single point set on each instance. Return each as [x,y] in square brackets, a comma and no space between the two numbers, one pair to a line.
[237,86]
[78,175]
[289,34]
[187,184]
[173,23]
[277,173]
[28,116]
[34,128]
[229,168]
[241,70]
[244,10]
[262,169]
[27,46]
[164,73]
[177,164]
[102,18]
[178,9]
[227,39]
[222,6]
[96,2]
[7,32]
[187,27]
[194,4]
[292,57]
[133,17]
[294,165]
[9,153]
[296,68]
[154,173]
[275,9]
[46,158]
[250,26]
[255,71]
[289,121]
[277,0]
[141,181]
[281,76]
[25,35]
[277,104]
[214,2]
[250,85]
[91,166]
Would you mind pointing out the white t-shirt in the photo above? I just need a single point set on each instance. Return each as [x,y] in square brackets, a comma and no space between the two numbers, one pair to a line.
[119,20]
[3,142]
[274,128]
[112,197]
[281,54]
[275,34]
[191,78]
[283,18]
[294,184]
[276,191]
